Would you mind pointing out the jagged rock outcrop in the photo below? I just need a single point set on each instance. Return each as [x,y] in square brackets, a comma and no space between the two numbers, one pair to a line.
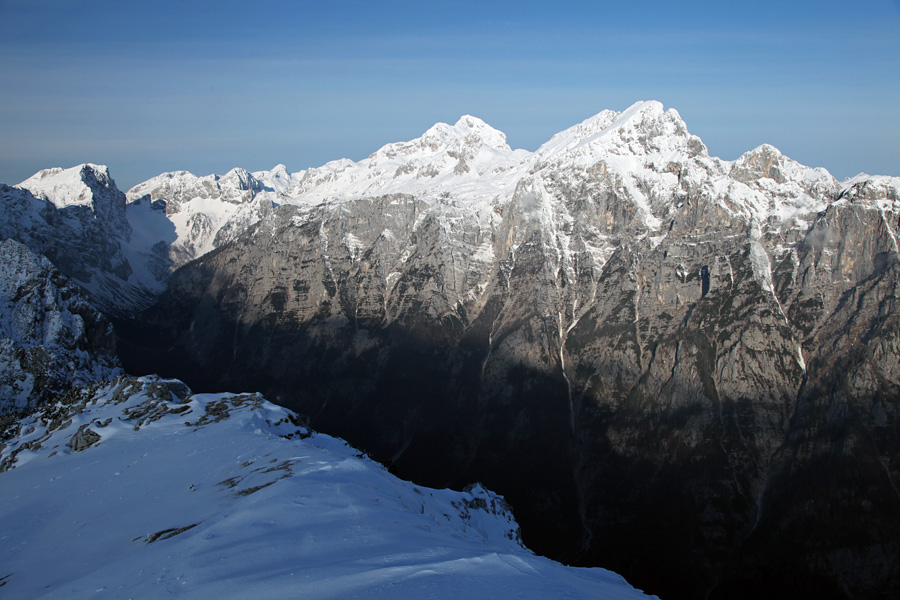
[204,212]
[678,367]
[83,439]
[51,338]
[78,218]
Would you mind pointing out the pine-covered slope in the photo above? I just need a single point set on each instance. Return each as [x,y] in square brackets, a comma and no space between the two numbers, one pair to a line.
[140,489]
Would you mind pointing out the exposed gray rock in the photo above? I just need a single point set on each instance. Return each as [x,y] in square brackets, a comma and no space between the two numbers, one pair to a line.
[51,338]
[677,367]
[77,218]
[83,439]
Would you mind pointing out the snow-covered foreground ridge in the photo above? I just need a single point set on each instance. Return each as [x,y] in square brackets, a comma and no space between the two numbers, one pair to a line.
[140,489]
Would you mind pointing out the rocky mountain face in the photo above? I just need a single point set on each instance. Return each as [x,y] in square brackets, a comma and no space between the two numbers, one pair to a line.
[202,212]
[78,218]
[51,338]
[681,368]
[121,248]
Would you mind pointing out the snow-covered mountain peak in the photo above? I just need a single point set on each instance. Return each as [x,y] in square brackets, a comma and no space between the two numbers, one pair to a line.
[55,176]
[763,161]
[645,131]
[82,185]
[786,187]
[642,153]
[203,211]
[278,171]
[767,162]
[278,179]
[880,189]
[475,128]
[469,160]
[240,179]
[237,186]
[466,137]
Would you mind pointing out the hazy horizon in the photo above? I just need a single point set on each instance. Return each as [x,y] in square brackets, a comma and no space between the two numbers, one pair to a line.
[206,87]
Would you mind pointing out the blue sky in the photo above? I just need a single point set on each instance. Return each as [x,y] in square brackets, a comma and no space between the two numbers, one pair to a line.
[207,86]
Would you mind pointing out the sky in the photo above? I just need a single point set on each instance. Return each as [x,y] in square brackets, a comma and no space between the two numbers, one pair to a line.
[149,87]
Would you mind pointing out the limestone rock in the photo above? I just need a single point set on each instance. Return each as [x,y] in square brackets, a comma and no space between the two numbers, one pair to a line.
[51,337]
[681,368]
[83,439]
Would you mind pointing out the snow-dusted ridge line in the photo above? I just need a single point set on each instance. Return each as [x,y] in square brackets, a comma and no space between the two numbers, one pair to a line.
[644,155]
[138,488]
[67,187]
[470,165]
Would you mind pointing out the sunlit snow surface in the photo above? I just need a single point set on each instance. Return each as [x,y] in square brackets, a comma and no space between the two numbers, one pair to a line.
[224,496]
[65,187]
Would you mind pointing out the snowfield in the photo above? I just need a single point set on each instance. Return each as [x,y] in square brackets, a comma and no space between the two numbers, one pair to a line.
[140,489]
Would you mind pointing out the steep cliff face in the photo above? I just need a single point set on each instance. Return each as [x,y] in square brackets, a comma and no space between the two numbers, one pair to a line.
[682,368]
[200,213]
[78,218]
[51,338]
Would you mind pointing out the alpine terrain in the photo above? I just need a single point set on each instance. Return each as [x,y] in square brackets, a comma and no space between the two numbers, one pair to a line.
[53,339]
[677,367]
[138,488]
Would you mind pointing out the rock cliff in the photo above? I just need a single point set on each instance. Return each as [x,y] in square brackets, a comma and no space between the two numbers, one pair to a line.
[682,368]
[51,338]
[78,218]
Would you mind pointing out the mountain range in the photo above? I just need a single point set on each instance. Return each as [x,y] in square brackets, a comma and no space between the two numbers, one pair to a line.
[682,368]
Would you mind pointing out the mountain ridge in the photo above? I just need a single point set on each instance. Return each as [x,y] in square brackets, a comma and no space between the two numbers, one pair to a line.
[139,488]
[675,347]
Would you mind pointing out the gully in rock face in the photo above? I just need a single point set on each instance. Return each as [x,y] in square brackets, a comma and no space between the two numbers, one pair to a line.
[675,366]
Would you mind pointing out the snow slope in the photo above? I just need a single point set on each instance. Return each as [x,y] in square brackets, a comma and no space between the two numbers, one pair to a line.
[646,153]
[139,489]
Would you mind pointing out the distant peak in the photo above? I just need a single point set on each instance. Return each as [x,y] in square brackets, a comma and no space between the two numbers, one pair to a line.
[645,128]
[762,150]
[764,161]
[644,106]
[75,185]
[645,115]
[92,168]
[767,162]
[61,175]
[488,135]
[99,174]
[470,123]
[86,184]
[468,130]
[237,173]
[610,119]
